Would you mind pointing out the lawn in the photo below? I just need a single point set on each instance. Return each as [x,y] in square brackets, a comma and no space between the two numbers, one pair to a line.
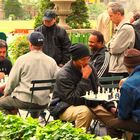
[7,26]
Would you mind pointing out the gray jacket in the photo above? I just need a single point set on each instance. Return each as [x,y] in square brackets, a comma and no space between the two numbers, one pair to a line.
[34,65]
[123,39]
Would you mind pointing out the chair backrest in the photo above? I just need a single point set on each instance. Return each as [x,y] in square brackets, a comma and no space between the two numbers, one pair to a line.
[37,85]
[110,82]
[50,85]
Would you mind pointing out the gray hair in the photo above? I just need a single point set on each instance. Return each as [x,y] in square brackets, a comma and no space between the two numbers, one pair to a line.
[116,7]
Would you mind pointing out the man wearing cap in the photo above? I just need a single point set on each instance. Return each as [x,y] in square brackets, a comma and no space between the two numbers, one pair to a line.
[73,81]
[56,42]
[31,66]
[129,103]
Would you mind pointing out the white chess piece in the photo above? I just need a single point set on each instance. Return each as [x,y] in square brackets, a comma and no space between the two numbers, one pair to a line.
[86,93]
[2,80]
[5,78]
[99,89]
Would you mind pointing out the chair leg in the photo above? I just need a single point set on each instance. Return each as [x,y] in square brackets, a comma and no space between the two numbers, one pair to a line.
[48,119]
[27,114]
[19,113]
[43,115]
[94,124]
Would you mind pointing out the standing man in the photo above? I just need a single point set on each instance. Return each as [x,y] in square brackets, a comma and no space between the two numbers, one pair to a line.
[56,42]
[123,39]
[135,20]
[99,54]
[34,65]
[105,26]
[5,64]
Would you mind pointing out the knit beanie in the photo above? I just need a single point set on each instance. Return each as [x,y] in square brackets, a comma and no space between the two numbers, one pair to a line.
[79,51]
[131,58]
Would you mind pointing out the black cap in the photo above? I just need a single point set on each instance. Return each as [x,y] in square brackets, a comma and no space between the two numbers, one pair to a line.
[36,39]
[79,51]
[49,15]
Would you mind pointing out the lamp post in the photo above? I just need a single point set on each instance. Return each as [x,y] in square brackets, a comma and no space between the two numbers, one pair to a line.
[63,9]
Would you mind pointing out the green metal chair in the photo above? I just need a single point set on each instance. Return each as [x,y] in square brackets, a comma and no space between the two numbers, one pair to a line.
[3,36]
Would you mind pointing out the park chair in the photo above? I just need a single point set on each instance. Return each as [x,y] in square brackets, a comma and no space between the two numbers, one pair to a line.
[49,84]
[3,36]
[110,82]
[106,82]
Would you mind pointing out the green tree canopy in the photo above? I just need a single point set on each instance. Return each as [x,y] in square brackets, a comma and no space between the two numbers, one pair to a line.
[78,18]
[13,7]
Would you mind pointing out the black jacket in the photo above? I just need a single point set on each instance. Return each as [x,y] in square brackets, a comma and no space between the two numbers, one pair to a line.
[5,66]
[56,43]
[69,88]
[100,60]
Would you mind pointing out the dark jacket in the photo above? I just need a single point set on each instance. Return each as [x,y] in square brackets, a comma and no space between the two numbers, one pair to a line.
[100,60]
[56,43]
[137,24]
[5,66]
[69,88]
[129,103]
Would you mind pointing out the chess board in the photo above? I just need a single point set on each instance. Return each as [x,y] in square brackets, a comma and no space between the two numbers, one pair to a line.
[103,95]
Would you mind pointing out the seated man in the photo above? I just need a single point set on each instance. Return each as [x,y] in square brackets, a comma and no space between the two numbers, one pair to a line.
[129,104]
[73,81]
[100,56]
[5,64]
[34,65]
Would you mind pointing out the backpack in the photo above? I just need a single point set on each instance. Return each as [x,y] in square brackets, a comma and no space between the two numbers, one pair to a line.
[137,36]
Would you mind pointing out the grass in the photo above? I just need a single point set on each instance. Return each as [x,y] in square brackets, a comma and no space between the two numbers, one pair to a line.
[7,26]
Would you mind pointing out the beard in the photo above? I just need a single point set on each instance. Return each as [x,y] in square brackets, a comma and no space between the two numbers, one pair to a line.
[2,58]
[94,48]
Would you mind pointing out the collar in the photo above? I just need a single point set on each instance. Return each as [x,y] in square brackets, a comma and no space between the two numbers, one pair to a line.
[120,24]
[136,69]
[50,28]
[99,51]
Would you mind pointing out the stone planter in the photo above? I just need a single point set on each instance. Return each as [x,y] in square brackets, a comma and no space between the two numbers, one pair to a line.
[63,9]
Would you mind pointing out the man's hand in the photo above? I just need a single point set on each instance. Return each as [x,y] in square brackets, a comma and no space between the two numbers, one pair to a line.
[60,65]
[2,75]
[113,110]
[86,71]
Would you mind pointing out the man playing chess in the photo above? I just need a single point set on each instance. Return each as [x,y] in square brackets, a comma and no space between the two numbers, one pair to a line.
[33,65]
[5,64]
[129,103]
[73,81]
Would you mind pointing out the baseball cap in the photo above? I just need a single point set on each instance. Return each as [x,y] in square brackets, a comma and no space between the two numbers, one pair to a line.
[36,38]
[49,15]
